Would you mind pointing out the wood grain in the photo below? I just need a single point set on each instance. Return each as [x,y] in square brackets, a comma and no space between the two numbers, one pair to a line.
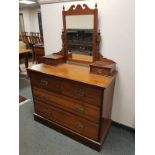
[68,120]
[82,92]
[73,72]
[81,58]
[96,145]
[76,107]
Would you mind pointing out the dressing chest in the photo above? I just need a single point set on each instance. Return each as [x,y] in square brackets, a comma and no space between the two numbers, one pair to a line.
[71,98]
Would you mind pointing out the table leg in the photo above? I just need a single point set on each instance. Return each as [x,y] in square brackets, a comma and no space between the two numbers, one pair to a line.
[26,60]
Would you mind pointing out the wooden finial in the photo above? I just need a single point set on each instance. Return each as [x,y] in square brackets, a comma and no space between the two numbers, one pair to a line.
[96,5]
[63,8]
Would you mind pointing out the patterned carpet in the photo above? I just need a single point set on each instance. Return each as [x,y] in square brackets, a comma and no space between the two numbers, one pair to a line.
[23,78]
[21,98]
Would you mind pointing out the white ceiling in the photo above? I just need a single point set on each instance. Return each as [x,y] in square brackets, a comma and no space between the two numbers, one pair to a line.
[21,5]
[55,1]
[43,2]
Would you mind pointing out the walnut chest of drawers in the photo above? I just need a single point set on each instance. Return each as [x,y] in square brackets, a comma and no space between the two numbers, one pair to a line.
[73,101]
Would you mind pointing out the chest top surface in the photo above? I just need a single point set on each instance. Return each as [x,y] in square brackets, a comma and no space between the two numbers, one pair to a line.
[74,72]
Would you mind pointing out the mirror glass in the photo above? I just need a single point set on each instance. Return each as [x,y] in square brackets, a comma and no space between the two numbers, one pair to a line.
[80,36]
[79,21]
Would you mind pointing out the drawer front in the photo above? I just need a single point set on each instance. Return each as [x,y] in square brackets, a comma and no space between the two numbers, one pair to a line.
[51,61]
[43,111]
[101,71]
[70,121]
[82,109]
[45,82]
[82,92]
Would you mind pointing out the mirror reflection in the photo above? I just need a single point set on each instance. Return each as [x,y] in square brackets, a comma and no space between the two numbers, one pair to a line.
[80,41]
[80,36]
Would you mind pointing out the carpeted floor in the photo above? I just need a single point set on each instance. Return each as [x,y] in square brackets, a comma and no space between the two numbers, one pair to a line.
[23,71]
[24,87]
[37,139]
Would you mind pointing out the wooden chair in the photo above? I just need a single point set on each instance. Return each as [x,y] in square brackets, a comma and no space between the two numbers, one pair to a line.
[24,33]
[25,38]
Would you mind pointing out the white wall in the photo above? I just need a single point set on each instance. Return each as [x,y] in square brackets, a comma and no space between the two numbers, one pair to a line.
[26,18]
[34,25]
[116,24]
[30,16]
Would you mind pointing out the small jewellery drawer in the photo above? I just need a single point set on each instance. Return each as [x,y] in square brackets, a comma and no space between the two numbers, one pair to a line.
[98,70]
[83,92]
[49,61]
[82,109]
[45,81]
[101,71]
[70,121]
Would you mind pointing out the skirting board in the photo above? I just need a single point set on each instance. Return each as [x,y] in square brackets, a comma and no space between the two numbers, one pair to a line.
[119,125]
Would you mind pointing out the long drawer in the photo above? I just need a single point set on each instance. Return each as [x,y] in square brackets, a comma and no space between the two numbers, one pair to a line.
[77,90]
[68,120]
[82,92]
[82,109]
[45,81]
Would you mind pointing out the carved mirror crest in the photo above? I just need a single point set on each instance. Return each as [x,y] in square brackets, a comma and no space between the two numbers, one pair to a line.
[80,34]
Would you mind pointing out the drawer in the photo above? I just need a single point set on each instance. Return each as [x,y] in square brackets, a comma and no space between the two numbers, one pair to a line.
[45,81]
[71,121]
[43,111]
[101,71]
[82,92]
[82,109]
[49,61]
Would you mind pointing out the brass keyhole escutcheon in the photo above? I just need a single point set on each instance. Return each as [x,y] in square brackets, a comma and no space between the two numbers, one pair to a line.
[79,92]
[79,109]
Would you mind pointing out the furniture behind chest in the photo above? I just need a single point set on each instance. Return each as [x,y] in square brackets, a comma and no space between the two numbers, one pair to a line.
[38,51]
[73,93]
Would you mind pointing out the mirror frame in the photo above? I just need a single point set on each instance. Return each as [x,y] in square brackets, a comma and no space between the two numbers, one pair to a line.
[79,10]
